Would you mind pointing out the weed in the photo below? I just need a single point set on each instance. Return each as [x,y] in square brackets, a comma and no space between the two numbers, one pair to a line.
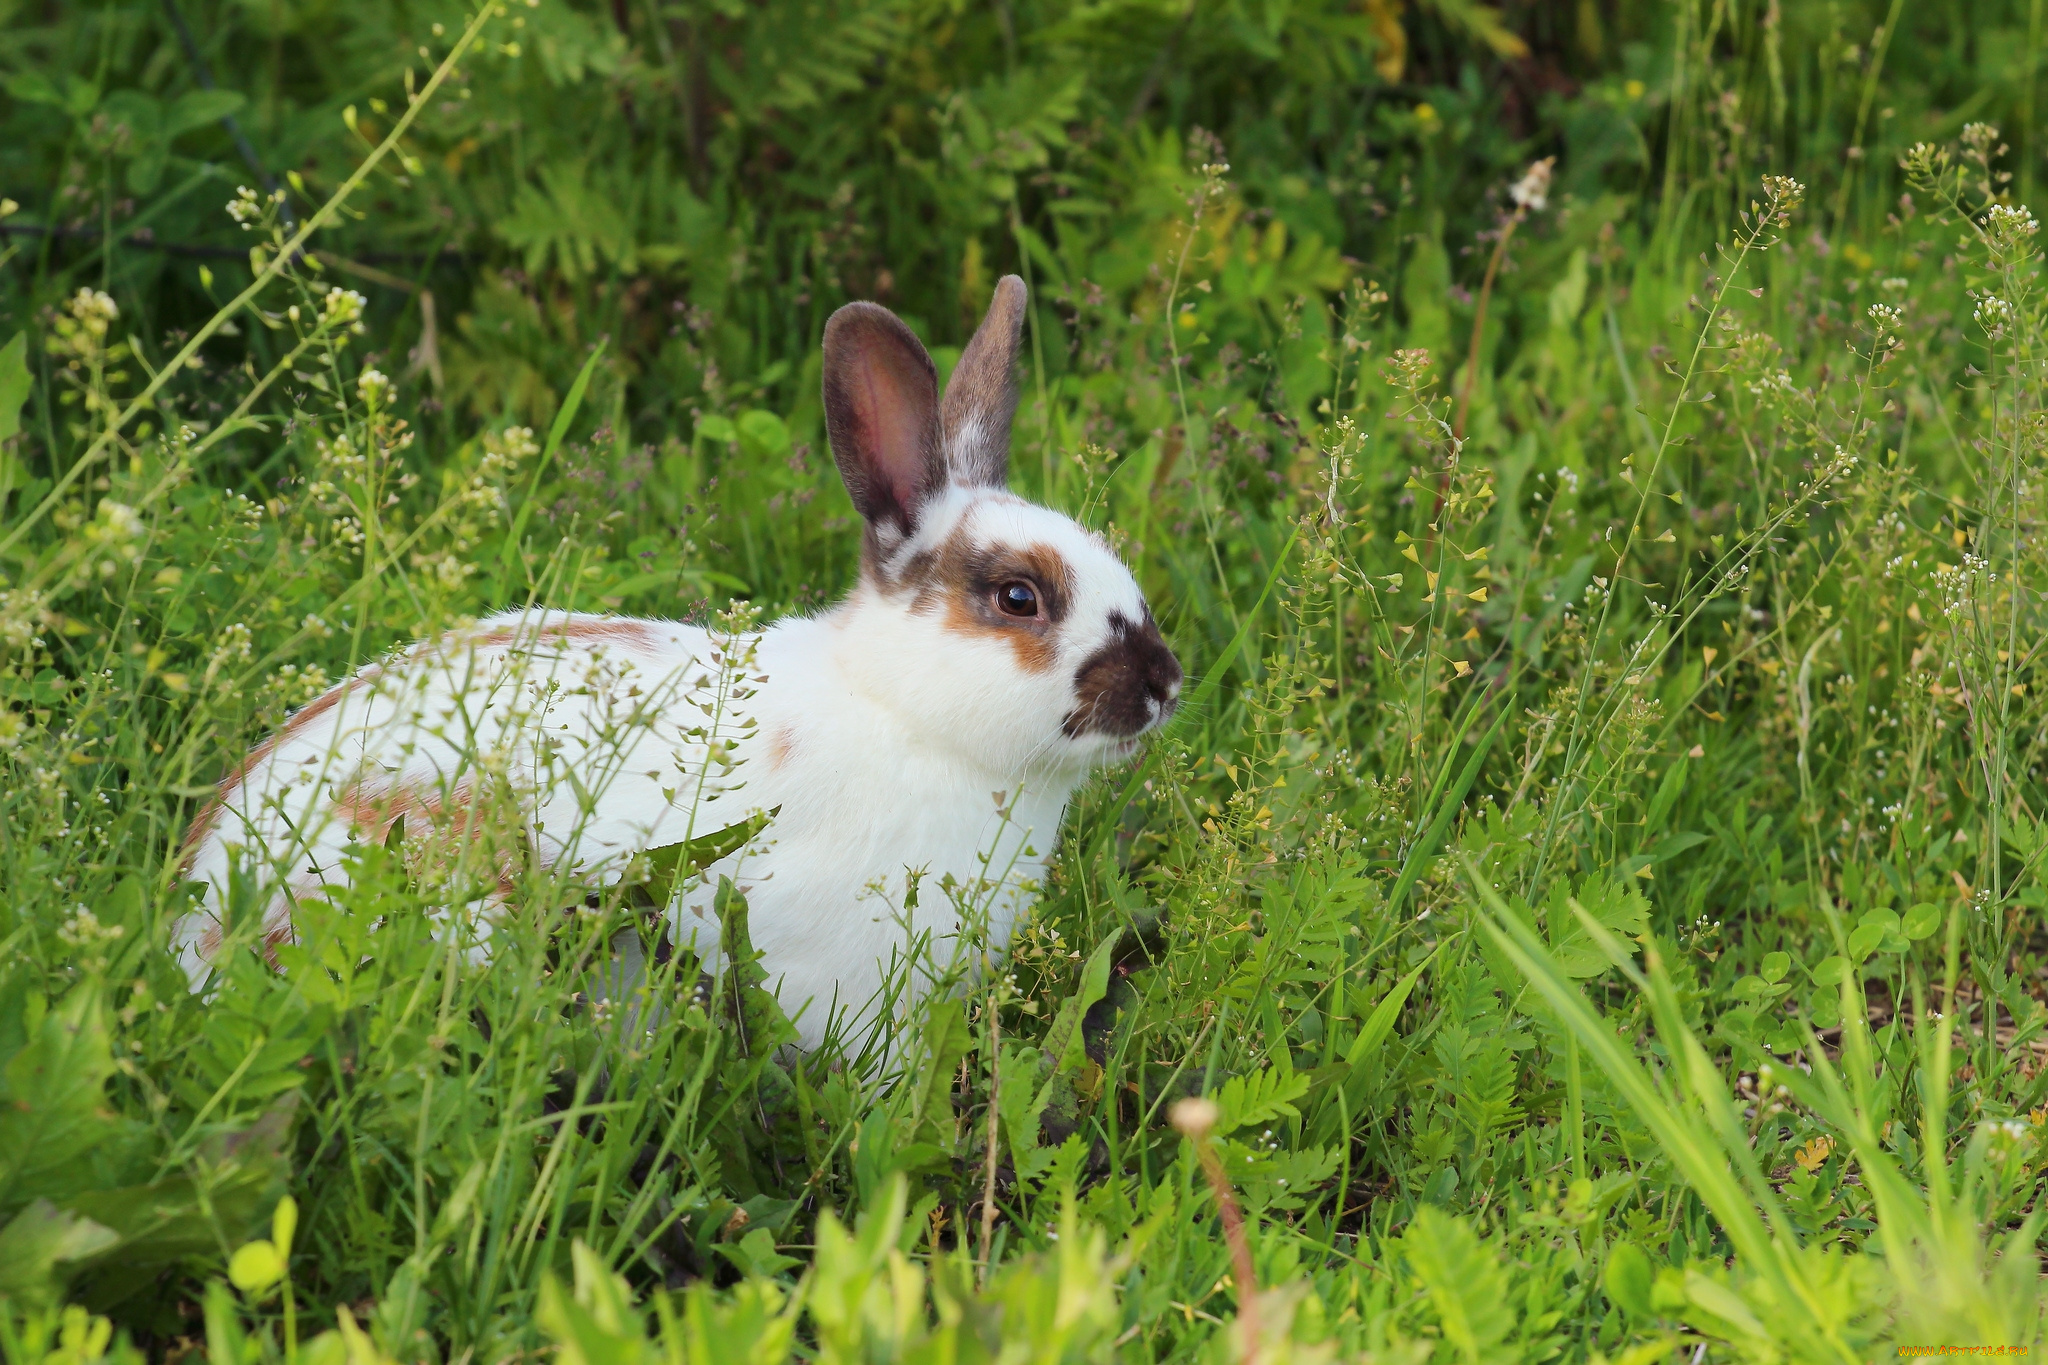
[1587,908]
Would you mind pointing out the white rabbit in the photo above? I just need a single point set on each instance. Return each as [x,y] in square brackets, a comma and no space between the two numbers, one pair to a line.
[934,722]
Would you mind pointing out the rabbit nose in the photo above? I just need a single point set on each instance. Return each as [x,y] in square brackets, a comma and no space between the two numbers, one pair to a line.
[1163,680]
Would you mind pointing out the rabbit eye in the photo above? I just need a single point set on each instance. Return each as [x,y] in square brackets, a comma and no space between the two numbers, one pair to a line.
[1017,599]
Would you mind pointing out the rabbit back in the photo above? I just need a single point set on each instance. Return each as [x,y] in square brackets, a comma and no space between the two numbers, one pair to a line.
[449,738]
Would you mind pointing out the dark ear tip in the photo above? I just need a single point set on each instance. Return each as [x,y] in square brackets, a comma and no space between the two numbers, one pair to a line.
[862,314]
[852,321]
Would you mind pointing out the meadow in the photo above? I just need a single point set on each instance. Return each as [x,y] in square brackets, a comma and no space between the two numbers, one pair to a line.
[1591,460]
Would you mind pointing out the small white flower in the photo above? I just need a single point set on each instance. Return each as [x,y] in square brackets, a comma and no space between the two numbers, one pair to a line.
[1993,314]
[245,208]
[1532,191]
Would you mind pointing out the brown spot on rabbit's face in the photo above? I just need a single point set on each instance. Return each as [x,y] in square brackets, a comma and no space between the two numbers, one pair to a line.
[781,745]
[1018,594]
[1128,685]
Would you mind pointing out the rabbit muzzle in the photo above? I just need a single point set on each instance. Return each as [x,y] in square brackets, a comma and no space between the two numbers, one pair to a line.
[1130,685]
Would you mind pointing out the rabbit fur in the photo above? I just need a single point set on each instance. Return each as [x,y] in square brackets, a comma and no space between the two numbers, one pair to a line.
[926,725]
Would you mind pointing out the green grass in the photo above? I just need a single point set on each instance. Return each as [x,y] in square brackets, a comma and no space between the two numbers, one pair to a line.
[1596,874]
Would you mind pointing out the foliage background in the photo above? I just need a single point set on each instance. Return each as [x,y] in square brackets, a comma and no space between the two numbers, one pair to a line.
[1741,661]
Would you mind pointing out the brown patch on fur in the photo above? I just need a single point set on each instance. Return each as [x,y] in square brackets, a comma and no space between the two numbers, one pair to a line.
[209,815]
[372,812]
[273,939]
[962,578]
[620,630]
[781,745]
[440,831]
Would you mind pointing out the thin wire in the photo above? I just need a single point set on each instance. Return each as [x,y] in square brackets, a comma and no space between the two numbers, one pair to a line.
[203,73]
[143,240]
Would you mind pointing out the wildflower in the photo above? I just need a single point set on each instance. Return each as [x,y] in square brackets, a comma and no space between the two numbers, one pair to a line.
[1532,191]
[93,309]
[1814,1153]
[118,529]
[1782,195]
[236,646]
[245,208]
[1408,367]
[1195,1117]
[1884,318]
[373,386]
[1923,161]
[1993,314]
[2008,226]
[343,308]
[22,612]
[1978,137]
[504,449]
[84,930]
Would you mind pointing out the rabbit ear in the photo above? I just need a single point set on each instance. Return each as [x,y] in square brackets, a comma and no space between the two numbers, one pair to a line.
[981,397]
[882,415]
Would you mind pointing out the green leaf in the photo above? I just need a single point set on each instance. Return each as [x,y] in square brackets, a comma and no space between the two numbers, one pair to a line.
[946,1040]
[1467,1287]
[1830,971]
[1667,849]
[755,1254]
[1775,965]
[196,108]
[1864,940]
[597,1324]
[1720,1310]
[15,381]
[40,1245]
[1259,1098]
[1668,790]
[255,1266]
[1921,921]
[1615,906]
[1064,1043]
[1380,1022]
[1627,1279]
[1446,809]
[53,1098]
[652,879]
[763,435]
[240,1179]
[33,87]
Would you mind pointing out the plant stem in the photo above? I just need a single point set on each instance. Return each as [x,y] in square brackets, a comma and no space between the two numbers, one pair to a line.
[1500,248]
[995,1092]
[287,253]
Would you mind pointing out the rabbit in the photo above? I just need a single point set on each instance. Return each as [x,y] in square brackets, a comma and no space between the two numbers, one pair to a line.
[926,731]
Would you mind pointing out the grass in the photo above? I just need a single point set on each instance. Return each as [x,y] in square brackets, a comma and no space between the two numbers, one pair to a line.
[1594,881]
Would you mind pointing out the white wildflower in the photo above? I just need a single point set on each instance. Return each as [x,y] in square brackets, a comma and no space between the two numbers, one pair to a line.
[1532,191]
[373,386]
